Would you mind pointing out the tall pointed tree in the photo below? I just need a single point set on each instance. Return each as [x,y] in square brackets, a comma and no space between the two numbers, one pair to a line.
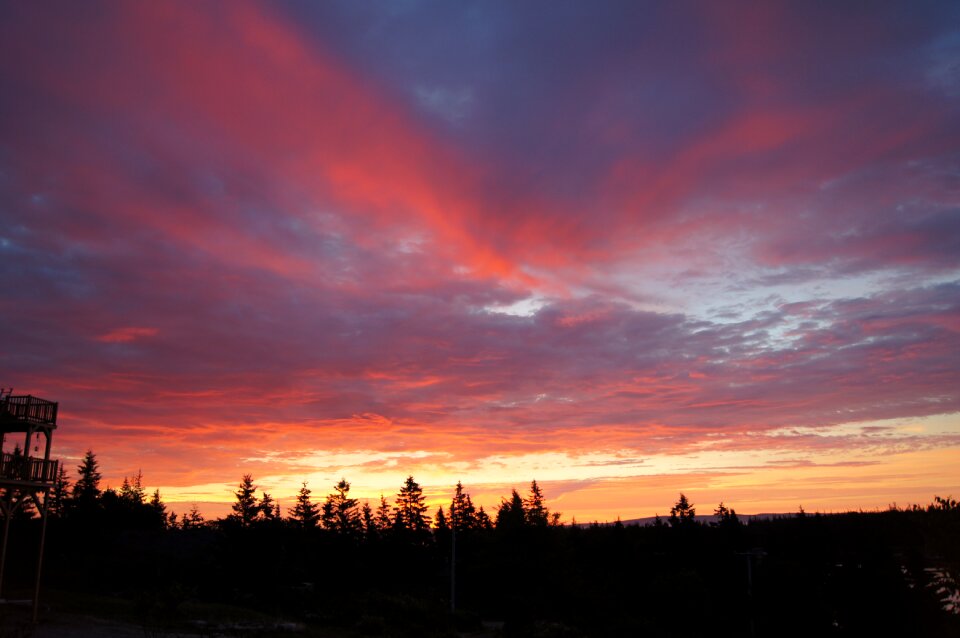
[340,512]
[410,511]
[305,513]
[60,494]
[159,509]
[193,519]
[535,512]
[511,514]
[382,519]
[440,521]
[483,520]
[683,512]
[87,488]
[131,491]
[246,508]
[462,512]
[269,509]
[367,522]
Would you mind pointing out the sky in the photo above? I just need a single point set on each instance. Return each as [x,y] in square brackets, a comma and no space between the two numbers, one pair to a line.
[627,249]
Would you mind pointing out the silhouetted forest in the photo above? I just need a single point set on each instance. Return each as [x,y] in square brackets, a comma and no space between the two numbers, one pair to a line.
[331,566]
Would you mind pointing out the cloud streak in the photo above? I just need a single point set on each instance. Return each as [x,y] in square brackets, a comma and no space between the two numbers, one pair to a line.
[236,239]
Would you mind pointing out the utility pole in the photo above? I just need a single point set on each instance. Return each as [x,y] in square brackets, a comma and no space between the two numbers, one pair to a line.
[453,567]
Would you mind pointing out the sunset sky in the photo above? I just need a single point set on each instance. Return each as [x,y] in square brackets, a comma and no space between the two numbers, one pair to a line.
[626,249]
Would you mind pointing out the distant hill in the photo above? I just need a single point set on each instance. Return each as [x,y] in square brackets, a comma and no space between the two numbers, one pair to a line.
[702,518]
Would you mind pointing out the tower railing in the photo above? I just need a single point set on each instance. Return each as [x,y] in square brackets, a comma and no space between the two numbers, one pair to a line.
[16,467]
[30,409]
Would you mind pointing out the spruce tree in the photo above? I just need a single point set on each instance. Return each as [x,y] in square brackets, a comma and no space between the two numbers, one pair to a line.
[410,511]
[726,517]
[462,512]
[382,519]
[683,512]
[60,494]
[366,518]
[159,509]
[305,513]
[246,508]
[340,512]
[193,519]
[269,509]
[535,513]
[511,514]
[131,491]
[440,523]
[86,490]
[483,521]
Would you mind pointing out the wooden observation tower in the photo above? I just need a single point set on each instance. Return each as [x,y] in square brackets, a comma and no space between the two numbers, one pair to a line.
[26,477]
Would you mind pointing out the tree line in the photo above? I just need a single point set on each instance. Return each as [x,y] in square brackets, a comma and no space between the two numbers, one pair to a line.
[338,512]
[390,566]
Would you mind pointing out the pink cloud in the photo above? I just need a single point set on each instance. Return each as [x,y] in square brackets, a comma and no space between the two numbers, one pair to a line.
[126,334]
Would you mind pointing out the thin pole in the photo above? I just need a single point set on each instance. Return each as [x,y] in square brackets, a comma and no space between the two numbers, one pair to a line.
[43,536]
[453,571]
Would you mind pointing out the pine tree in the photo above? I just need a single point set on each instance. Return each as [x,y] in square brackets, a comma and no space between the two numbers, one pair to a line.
[483,521]
[726,517]
[191,520]
[382,520]
[683,512]
[366,518]
[511,514]
[157,506]
[535,513]
[246,509]
[440,523]
[340,512]
[131,491]
[269,510]
[463,515]
[194,518]
[410,511]
[305,513]
[60,494]
[86,490]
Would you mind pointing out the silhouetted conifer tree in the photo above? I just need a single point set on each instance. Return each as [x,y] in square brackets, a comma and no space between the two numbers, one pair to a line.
[382,519]
[59,494]
[682,512]
[725,517]
[483,519]
[131,491]
[86,490]
[511,514]
[245,509]
[160,510]
[535,512]
[367,521]
[193,519]
[410,511]
[340,513]
[269,509]
[440,522]
[463,515]
[305,513]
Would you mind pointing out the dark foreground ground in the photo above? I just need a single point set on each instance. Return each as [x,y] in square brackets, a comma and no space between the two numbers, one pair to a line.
[860,574]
